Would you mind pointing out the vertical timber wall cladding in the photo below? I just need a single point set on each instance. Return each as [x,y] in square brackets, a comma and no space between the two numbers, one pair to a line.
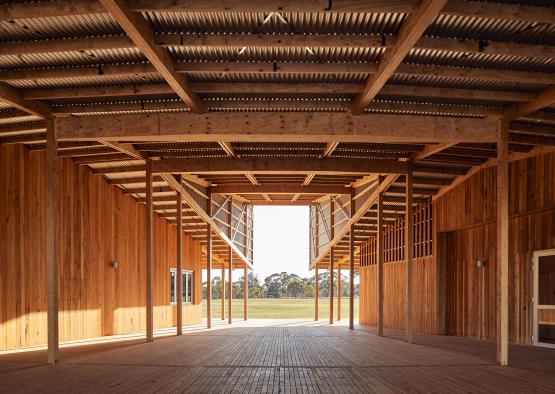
[98,225]
[466,217]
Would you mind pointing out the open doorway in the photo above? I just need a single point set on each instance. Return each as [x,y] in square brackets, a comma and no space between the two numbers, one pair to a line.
[281,285]
[544,299]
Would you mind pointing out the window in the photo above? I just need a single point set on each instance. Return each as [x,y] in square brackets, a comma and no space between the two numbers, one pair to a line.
[187,286]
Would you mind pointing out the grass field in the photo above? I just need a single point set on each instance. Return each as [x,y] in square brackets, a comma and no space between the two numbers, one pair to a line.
[282,308]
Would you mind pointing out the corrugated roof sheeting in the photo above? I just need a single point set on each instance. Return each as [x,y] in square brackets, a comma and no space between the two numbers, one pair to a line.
[72,59]
[479,60]
[258,22]
[270,77]
[463,83]
[39,28]
[93,81]
[492,29]
[269,54]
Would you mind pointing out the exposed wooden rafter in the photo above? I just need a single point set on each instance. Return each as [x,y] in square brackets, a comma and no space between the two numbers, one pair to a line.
[412,29]
[136,27]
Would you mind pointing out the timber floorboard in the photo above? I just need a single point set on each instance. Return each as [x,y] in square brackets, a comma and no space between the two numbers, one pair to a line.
[281,356]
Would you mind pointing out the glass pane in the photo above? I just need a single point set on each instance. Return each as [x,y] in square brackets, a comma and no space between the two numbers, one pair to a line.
[190,287]
[546,280]
[172,286]
[184,289]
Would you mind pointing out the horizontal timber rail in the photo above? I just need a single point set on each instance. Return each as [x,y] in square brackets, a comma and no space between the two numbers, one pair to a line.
[275,127]
[326,166]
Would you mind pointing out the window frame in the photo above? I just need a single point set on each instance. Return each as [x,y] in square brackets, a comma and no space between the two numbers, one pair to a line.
[185,273]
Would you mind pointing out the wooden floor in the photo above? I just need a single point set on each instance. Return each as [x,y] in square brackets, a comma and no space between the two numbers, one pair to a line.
[282,356]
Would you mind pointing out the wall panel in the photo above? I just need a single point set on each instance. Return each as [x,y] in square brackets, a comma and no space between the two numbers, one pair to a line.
[98,225]
[465,217]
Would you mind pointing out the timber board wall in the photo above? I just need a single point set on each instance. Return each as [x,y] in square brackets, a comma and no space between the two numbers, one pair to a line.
[98,225]
[471,304]
[466,217]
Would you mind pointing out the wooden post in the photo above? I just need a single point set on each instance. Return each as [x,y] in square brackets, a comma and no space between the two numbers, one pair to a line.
[316,293]
[352,268]
[379,256]
[209,264]
[338,293]
[245,252]
[208,275]
[331,260]
[230,263]
[222,292]
[179,262]
[149,254]
[52,241]
[409,228]
[503,244]
[245,292]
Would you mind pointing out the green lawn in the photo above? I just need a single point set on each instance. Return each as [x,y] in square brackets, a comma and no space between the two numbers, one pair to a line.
[283,308]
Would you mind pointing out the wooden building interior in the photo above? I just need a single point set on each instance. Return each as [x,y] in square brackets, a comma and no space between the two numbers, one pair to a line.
[136,136]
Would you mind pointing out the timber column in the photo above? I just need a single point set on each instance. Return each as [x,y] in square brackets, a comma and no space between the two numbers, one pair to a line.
[209,267]
[230,262]
[502,337]
[52,241]
[179,262]
[409,234]
[149,254]
[352,267]
[331,259]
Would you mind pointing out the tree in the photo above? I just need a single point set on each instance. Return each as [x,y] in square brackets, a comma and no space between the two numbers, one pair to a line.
[273,285]
[295,288]
[309,291]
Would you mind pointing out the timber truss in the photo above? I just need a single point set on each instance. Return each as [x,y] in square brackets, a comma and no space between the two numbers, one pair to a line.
[217,106]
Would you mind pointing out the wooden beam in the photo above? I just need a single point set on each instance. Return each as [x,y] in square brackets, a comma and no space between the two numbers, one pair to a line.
[454,7]
[412,29]
[328,166]
[272,127]
[250,177]
[222,293]
[543,99]
[149,240]
[329,149]
[252,87]
[295,40]
[179,262]
[52,241]
[276,69]
[136,27]
[379,257]
[432,149]
[409,234]
[502,237]
[226,146]
[204,215]
[15,98]
[279,189]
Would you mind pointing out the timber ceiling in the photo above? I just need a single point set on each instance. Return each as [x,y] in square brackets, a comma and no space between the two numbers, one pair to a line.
[474,59]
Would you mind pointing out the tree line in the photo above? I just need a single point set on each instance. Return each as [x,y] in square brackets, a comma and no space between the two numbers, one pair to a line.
[282,285]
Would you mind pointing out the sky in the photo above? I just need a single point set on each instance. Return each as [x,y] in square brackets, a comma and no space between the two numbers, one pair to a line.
[281,240]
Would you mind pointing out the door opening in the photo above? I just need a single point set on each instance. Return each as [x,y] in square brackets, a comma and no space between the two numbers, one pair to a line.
[544,298]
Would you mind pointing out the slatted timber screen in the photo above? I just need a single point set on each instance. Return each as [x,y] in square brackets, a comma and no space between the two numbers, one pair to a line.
[98,225]
[394,239]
